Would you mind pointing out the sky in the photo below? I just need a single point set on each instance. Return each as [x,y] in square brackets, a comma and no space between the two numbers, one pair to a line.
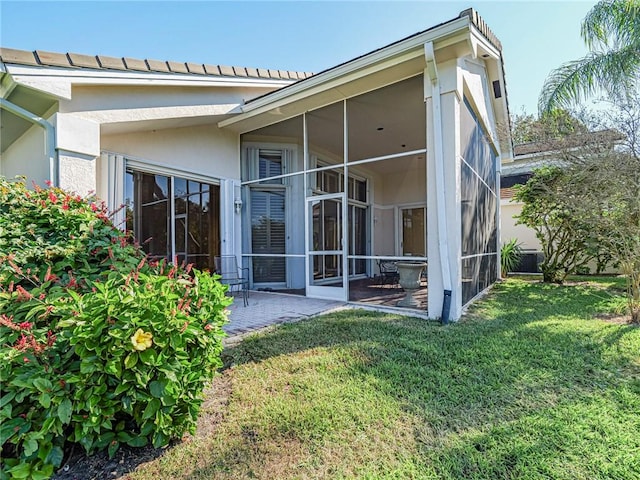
[306,36]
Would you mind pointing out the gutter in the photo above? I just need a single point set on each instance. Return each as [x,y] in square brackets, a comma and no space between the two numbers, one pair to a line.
[50,135]
[439,171]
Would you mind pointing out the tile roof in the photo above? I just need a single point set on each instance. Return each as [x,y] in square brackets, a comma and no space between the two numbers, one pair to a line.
[102,62]
[474,18]
[506,193]
[601,137]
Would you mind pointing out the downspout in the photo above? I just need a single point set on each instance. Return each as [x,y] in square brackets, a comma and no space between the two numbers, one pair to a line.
[439,172]
[50,136]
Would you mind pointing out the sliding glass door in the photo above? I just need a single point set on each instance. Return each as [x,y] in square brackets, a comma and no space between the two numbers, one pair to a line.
[173,217]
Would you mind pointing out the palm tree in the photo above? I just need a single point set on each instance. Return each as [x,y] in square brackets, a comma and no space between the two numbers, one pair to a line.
[611,31]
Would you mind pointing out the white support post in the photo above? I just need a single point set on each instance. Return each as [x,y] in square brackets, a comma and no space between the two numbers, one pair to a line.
[443,186]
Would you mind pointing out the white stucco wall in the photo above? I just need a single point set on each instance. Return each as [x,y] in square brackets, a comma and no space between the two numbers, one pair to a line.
[27,156]
[77,172]
[402,187]
[509,229]
[202,149]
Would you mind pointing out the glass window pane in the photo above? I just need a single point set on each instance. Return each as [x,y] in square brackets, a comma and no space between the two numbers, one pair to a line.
[195,217]
[181,232]
[413,232]
[195,225]
[361,191]
[179,187]
[153,188]
[268,221]
[270,165]
[326,181]
[129,201]
[180,205]
[154,232]
[269,270]
[193,187]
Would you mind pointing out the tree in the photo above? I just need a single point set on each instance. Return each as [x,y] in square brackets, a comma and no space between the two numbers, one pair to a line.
[586,203]
[611,31]
[549,127]
[614,181]
[551,207]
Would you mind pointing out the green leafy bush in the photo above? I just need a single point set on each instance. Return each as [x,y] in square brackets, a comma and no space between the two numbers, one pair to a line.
[97,346]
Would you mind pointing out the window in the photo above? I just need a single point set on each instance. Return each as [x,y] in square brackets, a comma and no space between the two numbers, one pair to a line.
[268,215]
[268,235]
[270,165]
[173,217]
[331,181]
[414,242]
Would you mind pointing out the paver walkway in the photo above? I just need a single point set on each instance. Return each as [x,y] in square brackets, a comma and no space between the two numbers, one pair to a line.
[266,309]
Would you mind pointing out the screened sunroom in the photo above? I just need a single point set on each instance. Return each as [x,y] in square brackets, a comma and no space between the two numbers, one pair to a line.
[333,193]
[375,182]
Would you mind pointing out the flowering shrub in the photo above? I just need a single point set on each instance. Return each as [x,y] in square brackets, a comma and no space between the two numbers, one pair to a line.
[97,346]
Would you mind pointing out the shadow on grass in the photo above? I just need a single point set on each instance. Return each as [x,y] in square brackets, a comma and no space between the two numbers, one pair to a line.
[526,386]
[521,379]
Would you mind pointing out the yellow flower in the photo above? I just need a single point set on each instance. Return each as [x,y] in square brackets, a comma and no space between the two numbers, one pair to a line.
[141,340]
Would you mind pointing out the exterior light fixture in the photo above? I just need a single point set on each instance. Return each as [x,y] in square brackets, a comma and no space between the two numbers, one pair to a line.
[238,206]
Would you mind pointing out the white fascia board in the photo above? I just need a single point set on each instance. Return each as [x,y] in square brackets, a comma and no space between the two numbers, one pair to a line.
[495,55]
[58,81]
[479,39]
[405,50]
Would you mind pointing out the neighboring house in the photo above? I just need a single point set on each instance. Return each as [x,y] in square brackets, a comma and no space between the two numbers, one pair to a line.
[527,158]
[517,173]
[310,180]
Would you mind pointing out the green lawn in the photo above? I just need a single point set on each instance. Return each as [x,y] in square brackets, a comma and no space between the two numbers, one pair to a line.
[528,385]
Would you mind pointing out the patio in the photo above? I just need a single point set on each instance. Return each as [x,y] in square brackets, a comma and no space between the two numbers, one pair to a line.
[272,308]
[265,309]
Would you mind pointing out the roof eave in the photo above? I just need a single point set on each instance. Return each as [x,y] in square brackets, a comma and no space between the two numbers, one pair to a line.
[57,81]
[410,47]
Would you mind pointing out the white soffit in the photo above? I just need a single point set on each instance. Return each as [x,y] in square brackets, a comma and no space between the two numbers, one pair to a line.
[58,81]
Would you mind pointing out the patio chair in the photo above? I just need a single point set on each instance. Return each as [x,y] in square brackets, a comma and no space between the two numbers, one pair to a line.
[388,272]
[236,277]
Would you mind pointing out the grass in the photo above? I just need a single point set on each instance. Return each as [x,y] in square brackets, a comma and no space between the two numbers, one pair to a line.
[529,385]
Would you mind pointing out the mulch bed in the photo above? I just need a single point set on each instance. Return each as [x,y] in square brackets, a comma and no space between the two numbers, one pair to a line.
[99,466]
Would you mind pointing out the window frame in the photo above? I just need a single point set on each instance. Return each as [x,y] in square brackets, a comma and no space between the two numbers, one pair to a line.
[135,166]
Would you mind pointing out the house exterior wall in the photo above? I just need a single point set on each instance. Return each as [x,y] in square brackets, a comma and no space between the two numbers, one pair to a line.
[174,126]
[401,188]
[27,156]
[508,228]
[201,149]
